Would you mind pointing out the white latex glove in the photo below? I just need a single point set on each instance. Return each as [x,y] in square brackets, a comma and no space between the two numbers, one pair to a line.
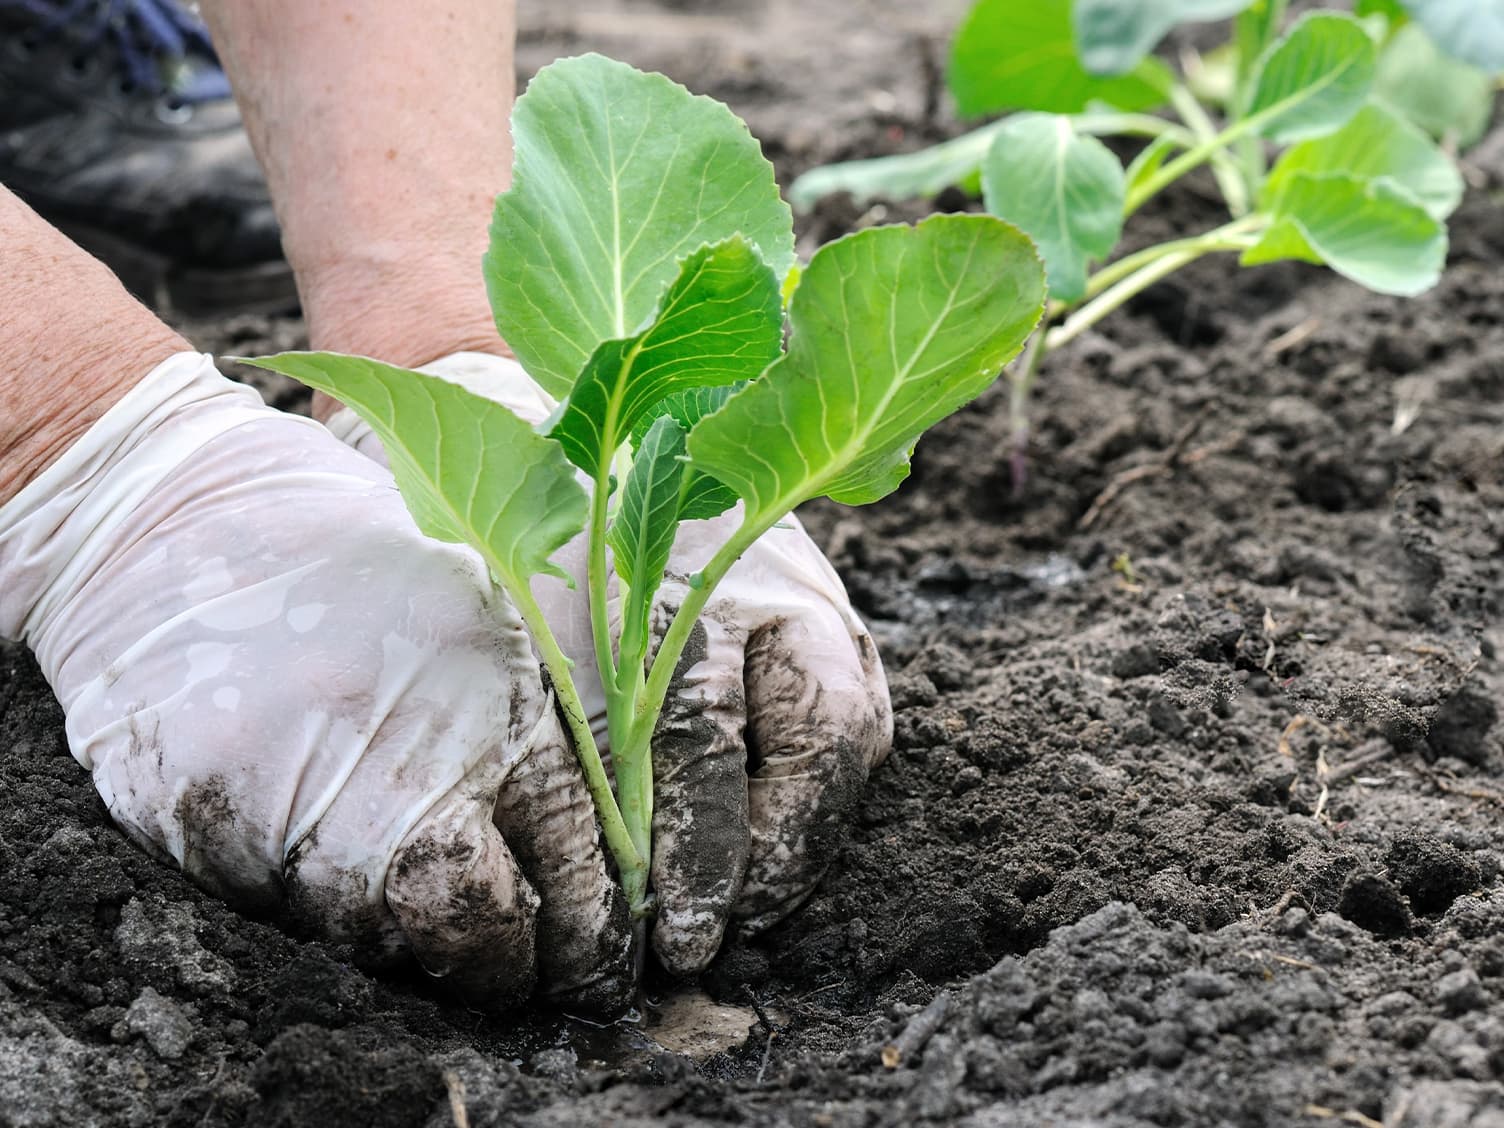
[777,714]
[281,685]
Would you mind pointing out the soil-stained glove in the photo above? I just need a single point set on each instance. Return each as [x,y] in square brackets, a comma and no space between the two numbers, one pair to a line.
[281,685]
[777,714]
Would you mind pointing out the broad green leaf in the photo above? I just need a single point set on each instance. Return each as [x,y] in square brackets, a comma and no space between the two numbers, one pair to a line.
[1449,99]
[892,329]
[1064,191]
[619,175]
[720,322]
[702,497]
[1313,79]
[1113,36]
[470,470]
[1368,231]
[642,535]
[1011,55]
[1377,142]
[899,177]
[1470,30]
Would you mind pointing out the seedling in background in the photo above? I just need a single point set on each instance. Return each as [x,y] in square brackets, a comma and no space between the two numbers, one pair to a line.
[1350,106]
[639,268]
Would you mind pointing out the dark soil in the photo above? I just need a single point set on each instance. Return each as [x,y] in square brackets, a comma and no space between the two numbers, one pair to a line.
[1196,814]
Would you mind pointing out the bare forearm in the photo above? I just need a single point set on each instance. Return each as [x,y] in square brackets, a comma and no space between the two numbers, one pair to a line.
[384,132]
[72,342]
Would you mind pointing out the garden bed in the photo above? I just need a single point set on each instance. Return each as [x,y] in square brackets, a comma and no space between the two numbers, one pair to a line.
[1196,808]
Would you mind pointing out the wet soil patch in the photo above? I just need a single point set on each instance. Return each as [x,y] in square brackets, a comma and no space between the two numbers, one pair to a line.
[1196,809]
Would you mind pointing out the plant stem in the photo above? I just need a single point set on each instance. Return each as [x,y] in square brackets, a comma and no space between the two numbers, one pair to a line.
[631,863]
[1256,28]
[666,661]
[1192,158]
[1228,237]
[1229,177]
[1020,387]
[1157,263]
[597,576]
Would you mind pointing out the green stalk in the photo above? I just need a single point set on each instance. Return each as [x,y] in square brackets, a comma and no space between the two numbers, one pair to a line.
[1158,263]
[1255,29]
[597,575]
[631,862]
[1021,385]
[1229,176]
[1192,158]
[643,702]
[1228,237]
[655,690]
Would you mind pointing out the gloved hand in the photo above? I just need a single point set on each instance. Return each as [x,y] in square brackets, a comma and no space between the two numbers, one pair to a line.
[281,685]
[778,712]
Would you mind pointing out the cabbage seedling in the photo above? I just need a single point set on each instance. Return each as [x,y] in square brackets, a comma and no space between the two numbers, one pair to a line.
[642,269]
[1348,105]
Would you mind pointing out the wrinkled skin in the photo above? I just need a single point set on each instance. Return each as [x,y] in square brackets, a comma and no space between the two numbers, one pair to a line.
[279,684]
[777,713]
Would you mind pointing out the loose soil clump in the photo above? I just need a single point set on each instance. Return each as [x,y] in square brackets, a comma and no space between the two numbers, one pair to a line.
[1196,809]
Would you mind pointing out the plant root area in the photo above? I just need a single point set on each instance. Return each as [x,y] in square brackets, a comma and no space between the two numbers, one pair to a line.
[1195,814]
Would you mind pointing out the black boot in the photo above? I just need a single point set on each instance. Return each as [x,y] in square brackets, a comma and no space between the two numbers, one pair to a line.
[116,123]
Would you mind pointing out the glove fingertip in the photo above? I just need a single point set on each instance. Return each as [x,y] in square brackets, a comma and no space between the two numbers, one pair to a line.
[686,939]
[469,915]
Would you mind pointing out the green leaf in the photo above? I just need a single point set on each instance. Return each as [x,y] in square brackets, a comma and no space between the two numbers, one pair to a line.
[619,175]
[1368,231]
[1450,100]
[470,470]
[1113,36]
[642,535]
[1064,191]
[1011,55]
[1312,79]
[720,322]
[893,328]
[702,496]
[899,177]
[1470,30]
[1376,143]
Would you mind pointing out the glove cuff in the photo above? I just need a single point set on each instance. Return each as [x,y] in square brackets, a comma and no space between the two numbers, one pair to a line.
[56,531]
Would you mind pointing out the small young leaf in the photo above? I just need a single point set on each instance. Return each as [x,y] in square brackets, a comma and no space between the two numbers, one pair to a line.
[1012,55]
[1368,231]
[893,328]
[642,535]
[702,496]
[470,470]
[899,177]
[619,175]
[1375,143]
[1449,99]
[1063,190]
[721,322]
[1313,79]
[1470,30]
[1113,36]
